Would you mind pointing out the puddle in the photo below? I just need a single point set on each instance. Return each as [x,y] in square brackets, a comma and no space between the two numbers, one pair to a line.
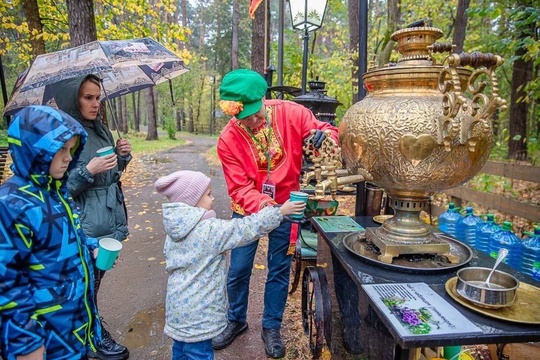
[144,327]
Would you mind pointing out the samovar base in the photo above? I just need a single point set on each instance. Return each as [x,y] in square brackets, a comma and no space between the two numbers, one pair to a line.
[390,249]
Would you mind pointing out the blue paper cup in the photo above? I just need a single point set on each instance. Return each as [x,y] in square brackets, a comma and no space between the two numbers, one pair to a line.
[298,196]
[108,252]
[104,151]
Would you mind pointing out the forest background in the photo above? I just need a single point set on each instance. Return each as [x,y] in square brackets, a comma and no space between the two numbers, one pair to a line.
[216,36]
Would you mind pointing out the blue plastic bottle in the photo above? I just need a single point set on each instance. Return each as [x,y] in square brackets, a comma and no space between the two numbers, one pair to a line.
[505,238]
[484,230]
[466,227]
[530,260]
[449,219]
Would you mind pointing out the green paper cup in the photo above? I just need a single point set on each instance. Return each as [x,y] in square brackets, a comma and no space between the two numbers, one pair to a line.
[104,151]
[298,196]
[108,252]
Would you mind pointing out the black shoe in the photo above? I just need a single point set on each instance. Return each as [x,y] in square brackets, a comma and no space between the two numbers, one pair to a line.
[228,335]
[273,343]
[109,349]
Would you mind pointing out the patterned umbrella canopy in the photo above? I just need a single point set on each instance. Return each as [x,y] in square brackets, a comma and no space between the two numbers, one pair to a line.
[125,66]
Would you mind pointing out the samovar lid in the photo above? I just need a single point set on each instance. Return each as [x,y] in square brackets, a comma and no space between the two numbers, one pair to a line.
[413,42]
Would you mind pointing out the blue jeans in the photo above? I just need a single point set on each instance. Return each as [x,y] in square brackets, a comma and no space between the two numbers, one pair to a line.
[277,281]
[201,350]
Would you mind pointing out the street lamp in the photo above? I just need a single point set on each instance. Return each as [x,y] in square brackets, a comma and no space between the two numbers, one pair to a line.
[212,102]
[307,15]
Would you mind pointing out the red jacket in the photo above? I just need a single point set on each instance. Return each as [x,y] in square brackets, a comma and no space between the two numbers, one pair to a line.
[244,163]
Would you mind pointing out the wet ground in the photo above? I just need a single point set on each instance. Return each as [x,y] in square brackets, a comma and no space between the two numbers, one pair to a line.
[132,297]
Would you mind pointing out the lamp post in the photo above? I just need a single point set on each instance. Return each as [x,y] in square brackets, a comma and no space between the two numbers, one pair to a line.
[307,16]
[212,101]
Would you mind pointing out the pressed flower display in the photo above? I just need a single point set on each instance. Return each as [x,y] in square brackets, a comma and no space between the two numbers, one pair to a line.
[418,321]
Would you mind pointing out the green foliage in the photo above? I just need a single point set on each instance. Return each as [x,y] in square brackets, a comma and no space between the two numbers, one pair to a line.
[170,127]
[3,138]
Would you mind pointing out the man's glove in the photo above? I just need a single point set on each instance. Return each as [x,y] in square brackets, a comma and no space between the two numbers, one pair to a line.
[300,221]
[318,138]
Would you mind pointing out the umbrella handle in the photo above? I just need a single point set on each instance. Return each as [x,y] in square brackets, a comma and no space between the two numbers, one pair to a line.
[112,112]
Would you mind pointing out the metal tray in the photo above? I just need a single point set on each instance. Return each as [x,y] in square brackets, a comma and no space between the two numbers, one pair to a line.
[418,263]
[525,310]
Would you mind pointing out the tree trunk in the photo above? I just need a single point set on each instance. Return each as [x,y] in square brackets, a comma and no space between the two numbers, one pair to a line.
[31,10]
[82,27]
[354,43]
[394,22]
[234,41]
[460,25]
[151,106]
[178,117]
[136,116]
[124,121]
[191,125]
[519,109]
[260,54]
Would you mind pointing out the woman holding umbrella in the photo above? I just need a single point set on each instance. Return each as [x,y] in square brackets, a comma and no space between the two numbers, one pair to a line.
[94,183]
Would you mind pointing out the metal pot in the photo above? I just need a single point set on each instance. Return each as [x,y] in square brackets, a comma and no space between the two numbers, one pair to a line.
[471,286]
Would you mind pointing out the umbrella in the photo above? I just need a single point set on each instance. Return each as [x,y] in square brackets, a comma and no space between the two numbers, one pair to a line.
[125,66]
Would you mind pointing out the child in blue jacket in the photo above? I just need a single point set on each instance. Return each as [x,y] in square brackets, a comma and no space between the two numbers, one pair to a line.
[46,303]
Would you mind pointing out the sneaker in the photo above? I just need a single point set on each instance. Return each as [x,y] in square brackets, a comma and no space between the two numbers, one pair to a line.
[273,343]
[109,349]
[228,335]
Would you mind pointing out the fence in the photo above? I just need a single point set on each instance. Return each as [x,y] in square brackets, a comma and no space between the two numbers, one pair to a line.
[494,201]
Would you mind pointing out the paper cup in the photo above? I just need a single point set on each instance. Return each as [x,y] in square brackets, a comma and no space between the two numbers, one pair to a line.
[108,252]
[298,196]
[452,352]
[107,150]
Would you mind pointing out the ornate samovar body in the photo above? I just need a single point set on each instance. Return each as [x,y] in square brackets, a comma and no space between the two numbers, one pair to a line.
[423,127]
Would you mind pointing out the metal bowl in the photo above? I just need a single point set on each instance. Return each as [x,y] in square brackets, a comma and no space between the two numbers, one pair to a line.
[471,286]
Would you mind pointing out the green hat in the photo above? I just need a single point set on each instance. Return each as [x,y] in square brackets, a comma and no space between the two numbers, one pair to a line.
[241,93]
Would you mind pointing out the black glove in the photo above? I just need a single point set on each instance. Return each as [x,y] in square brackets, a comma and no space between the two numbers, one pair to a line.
[300,221]
[318,138]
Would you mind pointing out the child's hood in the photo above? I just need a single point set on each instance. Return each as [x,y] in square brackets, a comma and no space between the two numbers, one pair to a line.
[179,219]
[35,135]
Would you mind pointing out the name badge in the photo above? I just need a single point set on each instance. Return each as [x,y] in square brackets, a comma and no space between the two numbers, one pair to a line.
[269,188]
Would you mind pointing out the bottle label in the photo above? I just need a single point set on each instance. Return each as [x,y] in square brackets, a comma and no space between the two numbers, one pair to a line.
[535,271]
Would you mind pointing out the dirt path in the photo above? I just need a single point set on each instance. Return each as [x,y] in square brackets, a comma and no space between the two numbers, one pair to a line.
[133,294]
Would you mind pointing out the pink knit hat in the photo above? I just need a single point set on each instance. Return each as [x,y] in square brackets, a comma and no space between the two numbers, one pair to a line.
[183,186]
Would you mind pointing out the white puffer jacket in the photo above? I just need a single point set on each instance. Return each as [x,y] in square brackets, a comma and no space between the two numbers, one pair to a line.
[196,307]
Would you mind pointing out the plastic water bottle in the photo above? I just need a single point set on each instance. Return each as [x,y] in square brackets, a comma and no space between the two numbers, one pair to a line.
[466,227]
[530,261]
[505,238]
[449,219]
[484,230]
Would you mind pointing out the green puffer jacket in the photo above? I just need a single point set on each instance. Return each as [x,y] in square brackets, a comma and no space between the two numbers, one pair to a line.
[100,197]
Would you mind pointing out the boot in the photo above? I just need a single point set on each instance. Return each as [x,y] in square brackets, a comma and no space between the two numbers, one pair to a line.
[109,349]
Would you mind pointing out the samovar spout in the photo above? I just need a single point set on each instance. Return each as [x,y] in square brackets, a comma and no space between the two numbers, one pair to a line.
[310,175]
[334,182]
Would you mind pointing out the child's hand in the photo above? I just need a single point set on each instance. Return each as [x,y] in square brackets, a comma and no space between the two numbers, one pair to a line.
[292,207]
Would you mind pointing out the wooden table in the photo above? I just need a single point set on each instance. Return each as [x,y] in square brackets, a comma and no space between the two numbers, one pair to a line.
[359,327]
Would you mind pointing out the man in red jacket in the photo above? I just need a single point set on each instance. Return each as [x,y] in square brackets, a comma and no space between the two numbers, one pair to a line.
[261,153]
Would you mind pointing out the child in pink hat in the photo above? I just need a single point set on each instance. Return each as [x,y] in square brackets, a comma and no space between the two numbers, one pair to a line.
[196,305]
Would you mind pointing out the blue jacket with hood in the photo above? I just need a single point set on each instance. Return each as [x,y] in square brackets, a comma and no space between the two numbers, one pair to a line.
[46,282]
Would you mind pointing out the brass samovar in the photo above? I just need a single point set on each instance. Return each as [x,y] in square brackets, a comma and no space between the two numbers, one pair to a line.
[423,127]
